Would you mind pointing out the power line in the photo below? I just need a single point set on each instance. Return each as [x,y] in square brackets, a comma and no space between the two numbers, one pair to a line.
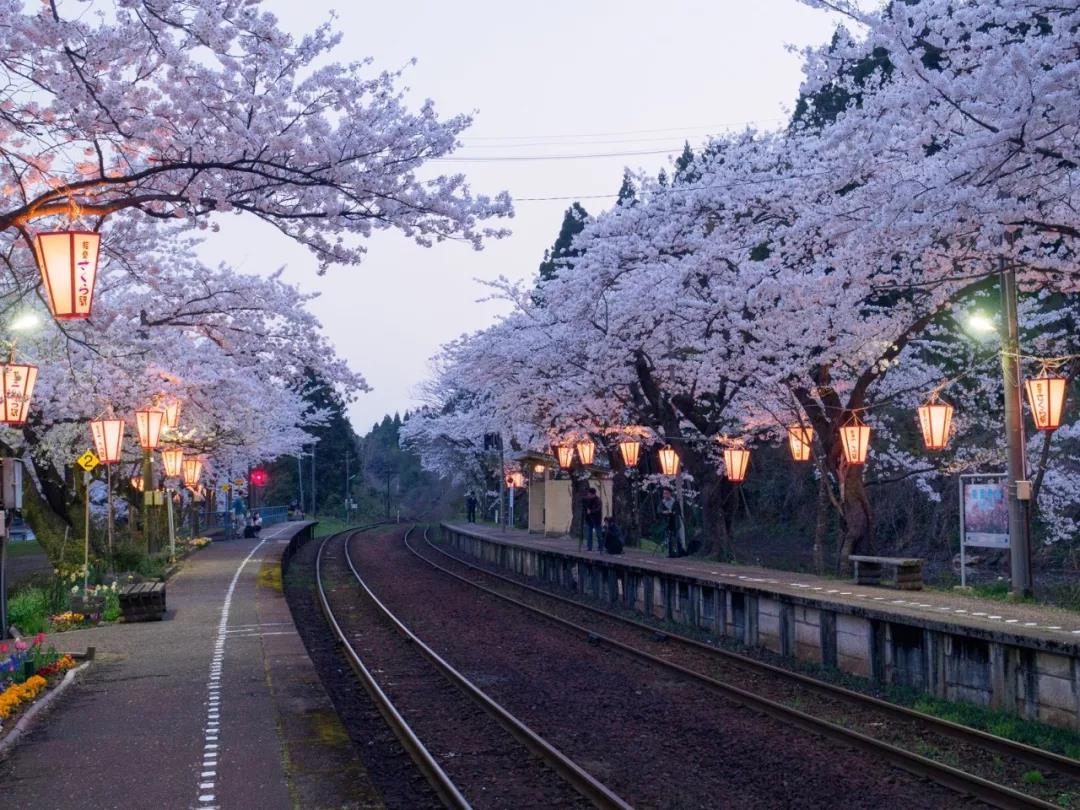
[706,128]
[517,158]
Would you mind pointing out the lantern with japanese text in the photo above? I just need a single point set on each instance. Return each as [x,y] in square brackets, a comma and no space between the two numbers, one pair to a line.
[736,460]
[1046,398]
[192,469]
[586,450]
[171,459]
[800,440]
[18,381]
[172,414]
[149,422]
[566,455]
[935,419]
[669,460]
[68,261]
[855,440]
[630,449]
[108,439]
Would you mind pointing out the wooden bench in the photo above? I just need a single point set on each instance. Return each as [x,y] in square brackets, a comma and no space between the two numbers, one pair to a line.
[143,602]
[906,572]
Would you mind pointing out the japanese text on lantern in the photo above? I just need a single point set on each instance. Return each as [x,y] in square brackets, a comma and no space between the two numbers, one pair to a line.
[84,283]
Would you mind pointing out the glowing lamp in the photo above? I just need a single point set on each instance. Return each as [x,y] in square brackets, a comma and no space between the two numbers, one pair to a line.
[149,422]
[855,441]
[192,469]
[68,261]
[586,450]
[736,460]
[566,455]
[538,468]
[1046,398]
[108,439]
[18,381]
[137,482]
[258,478]
[630,450]
[669,460]
[935,419]
[172,459]
[515,480]
[172,414]
[800,440]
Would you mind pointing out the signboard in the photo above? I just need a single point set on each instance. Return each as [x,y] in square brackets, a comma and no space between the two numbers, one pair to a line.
[88,460]
[985,514]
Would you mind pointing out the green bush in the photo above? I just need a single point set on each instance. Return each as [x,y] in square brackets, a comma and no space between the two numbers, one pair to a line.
[112,606]
[29,610]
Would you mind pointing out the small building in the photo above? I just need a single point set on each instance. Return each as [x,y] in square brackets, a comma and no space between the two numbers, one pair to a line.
[550,493]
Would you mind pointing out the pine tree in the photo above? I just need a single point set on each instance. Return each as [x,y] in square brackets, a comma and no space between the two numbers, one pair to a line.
[573,223]
[627,191]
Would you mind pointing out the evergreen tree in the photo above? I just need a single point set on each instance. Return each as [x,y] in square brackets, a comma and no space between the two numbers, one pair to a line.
[627,191]
[573,223]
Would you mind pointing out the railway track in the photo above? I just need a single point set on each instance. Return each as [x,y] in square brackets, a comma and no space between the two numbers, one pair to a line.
[772,690]
[472,751]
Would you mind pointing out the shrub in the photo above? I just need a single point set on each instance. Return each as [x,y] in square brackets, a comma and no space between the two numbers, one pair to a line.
[29,610]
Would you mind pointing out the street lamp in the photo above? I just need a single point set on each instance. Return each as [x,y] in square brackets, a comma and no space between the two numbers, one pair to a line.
[192,470]
[68,261]
[148,422]
[108,435]
[18,382]
[586,450]
[1046,398]
[630,448]
[171,459]
[566,455]
[172,414]
[669,460]
[736,460]
[855,440]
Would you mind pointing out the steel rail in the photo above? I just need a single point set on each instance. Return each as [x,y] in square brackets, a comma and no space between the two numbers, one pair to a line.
[1036,757]
[961,781]
[584,783]
[443,786]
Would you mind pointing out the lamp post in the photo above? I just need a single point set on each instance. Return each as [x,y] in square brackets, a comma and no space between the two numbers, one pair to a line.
[148,422]
[108,437]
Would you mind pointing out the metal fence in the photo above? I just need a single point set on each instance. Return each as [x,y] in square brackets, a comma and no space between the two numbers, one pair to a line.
[269,514]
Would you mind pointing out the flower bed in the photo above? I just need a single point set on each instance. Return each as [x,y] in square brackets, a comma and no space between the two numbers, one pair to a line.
[27,669]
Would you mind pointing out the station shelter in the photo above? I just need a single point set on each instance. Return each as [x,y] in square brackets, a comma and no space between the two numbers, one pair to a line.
[550,494]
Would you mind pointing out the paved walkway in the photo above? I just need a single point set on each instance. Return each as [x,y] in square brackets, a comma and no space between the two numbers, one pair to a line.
[201,710]
[1036,625]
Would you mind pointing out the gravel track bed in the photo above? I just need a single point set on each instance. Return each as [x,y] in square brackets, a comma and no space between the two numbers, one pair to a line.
[391,770]
[852,714]
[489,766]
[658,739]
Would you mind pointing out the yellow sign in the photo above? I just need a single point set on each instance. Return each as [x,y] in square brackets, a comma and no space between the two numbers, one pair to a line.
[88,460]
[240,481]
[226,487]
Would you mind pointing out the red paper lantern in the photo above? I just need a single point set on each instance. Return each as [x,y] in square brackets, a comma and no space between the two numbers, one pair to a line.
[935,419]
[800,441]
[586,450]
[192,470]
[855,441]
[630,449]
[736,460]
[669,460]
[1046,398]
[108,439]
[18,381]
[172,459]
[68,261]
[149,422]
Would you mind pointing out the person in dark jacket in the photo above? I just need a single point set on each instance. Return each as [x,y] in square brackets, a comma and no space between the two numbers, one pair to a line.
[470,507]
[613,538]
[669,514]
[593,510]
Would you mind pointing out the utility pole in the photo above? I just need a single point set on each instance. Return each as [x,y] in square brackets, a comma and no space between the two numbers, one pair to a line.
[1019,488]
[346,499]
[313,501]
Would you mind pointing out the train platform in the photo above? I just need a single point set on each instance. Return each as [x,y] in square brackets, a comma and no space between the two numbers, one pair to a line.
[1016,656]
[218,705]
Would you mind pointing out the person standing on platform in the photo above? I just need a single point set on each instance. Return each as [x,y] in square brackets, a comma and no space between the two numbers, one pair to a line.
[594,510]
[613,539]
[470,506]
[669,513]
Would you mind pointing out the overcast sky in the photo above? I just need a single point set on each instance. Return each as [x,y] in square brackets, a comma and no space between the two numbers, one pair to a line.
[556,78]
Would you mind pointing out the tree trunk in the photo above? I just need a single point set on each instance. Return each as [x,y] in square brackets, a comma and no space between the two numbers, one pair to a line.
[821,525]
[858,522]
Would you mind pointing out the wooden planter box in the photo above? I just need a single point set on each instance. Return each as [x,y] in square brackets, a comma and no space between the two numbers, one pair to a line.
[87,605]
[144,602]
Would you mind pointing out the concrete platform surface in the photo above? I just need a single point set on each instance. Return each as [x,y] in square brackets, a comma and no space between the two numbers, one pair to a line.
[208,708]
[1032,625]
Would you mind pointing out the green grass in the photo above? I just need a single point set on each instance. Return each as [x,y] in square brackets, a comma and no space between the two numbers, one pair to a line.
[29,610]
[25,549]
